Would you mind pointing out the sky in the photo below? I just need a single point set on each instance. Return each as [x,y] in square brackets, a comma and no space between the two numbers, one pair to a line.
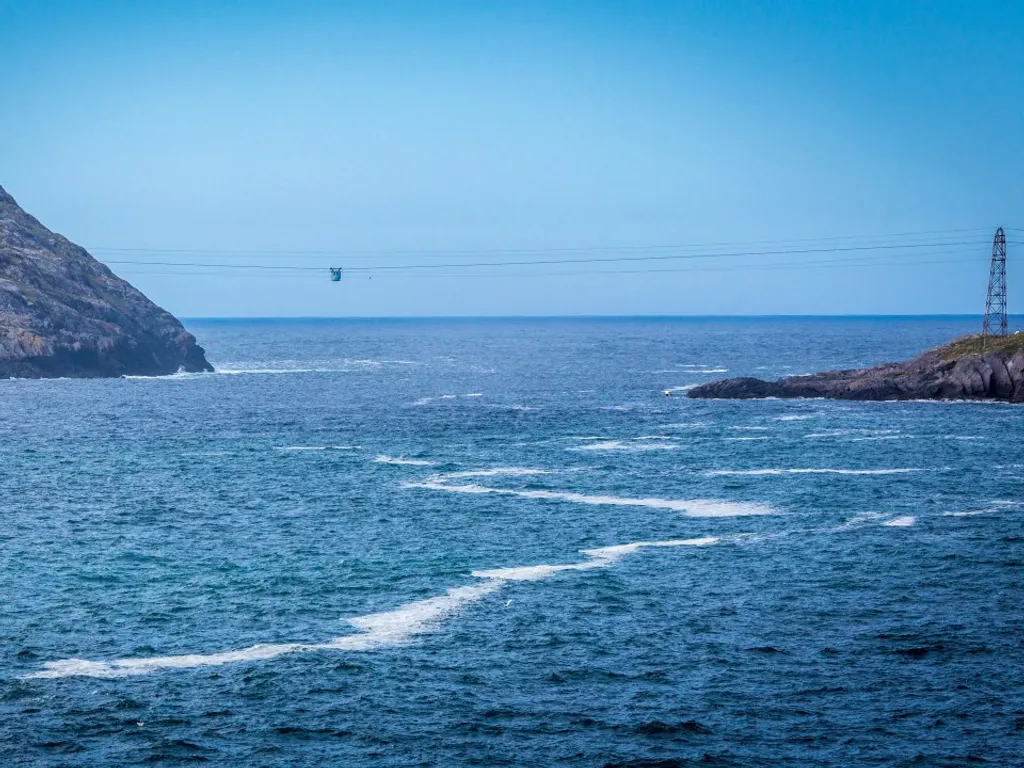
[674,158]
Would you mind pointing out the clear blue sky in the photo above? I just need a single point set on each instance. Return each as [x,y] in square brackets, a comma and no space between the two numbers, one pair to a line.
[480,127]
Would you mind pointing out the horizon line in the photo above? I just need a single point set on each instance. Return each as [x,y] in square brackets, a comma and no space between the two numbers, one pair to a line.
[921,316]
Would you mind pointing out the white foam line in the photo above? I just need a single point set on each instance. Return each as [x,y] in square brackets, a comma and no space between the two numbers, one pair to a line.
[428,400]
[689,507]
[627,447]
[493,472]
[399,461]
[376,630]
[247,371]
[761,472]
[993,506]
[900,522]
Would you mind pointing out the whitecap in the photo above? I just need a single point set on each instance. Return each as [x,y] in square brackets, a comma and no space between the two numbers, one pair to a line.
[795,417]
[689,507]
[267,371]
[900,522]
[373,631]
[627,446]
[993,506]
[493,472]
[429,400]
[400,461]
[760,472]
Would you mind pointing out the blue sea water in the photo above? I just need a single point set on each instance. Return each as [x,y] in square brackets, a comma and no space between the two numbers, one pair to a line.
[497,542]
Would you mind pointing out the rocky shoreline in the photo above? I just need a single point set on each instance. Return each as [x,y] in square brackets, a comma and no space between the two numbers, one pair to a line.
[64,314]
[970,368]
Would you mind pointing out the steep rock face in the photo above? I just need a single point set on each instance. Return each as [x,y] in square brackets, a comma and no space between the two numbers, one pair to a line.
[962,370]
[62,313]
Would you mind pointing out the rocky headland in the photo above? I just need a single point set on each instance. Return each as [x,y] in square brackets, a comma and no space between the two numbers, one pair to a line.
[970,368]
[63,313]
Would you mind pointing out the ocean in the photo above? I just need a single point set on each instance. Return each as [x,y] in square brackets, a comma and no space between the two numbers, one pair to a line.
[499,543]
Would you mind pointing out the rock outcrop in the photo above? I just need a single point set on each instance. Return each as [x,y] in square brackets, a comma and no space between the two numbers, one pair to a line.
[966,369]
[62,313]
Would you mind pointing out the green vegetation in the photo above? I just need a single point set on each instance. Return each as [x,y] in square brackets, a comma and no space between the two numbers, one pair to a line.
[974,345]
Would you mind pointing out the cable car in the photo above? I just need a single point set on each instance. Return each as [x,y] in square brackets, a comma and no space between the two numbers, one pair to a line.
[336,275]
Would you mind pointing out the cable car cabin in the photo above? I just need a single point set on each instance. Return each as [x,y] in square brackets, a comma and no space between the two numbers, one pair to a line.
[335,275]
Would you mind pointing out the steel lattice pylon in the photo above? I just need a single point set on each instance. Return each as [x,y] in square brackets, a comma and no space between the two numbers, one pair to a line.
[995,304]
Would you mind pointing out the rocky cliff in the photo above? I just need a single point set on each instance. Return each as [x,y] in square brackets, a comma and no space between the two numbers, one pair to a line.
[62,313]
[966,369]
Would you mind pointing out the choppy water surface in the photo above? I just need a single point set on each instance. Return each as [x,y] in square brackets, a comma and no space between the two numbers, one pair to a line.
[447,543]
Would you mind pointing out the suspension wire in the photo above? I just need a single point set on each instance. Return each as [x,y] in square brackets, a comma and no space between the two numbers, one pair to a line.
[525,251]
[832,264]
[550,262]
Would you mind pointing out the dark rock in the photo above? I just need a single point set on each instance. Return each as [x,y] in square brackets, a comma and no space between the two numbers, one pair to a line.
[62,313]
[966,369]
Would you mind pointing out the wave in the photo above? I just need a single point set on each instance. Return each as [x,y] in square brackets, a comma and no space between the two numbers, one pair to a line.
[993,506]
[900,522]
[398,460]
[601,557]
[872,433]
[317,448]
[374,631]
[435,398]
[495,472]
[865,518]
[744,439]
[761,472]
[795,417]
[688,507]
[628,446]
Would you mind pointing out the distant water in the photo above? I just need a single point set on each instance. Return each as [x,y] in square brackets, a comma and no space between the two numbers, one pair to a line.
[497,542]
